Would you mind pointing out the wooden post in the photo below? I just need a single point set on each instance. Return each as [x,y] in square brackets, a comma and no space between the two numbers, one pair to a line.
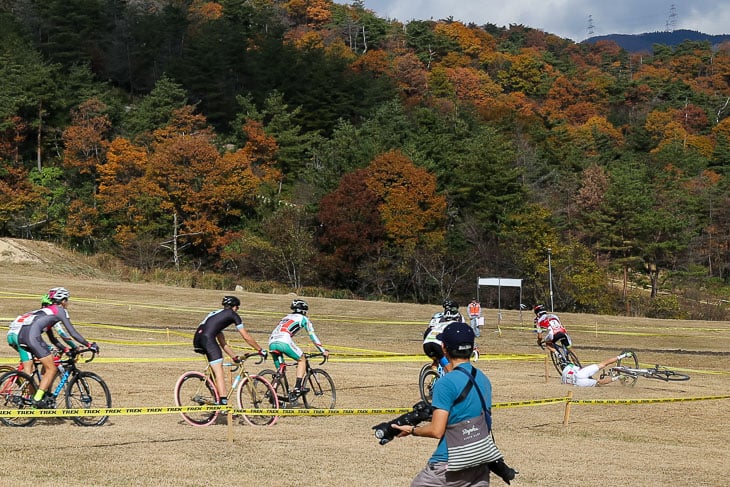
[568,401]
[230,411]
[547,367]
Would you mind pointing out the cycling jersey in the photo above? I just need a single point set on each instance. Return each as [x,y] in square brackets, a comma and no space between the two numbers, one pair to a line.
[550,326]
[45,320]
[282,338]
[581,377]
[205,336]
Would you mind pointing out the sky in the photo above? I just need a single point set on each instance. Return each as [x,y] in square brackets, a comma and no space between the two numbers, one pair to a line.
[570,19]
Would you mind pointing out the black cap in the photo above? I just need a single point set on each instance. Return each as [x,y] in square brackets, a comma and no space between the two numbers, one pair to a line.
[457,336]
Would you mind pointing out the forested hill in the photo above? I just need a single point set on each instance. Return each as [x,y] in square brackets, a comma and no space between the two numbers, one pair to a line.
[646,42]
[318,145]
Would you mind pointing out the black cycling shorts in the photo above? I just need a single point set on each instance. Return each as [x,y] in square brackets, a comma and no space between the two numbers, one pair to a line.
[207,345]
[433,350]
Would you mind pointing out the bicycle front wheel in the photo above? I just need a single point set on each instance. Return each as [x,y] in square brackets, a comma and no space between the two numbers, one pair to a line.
[572,358]
[86,390]
[16,392]
[255,392]
[195,389]
[557,363]
[666,375]
[425,387]
[630,362]
[321,393]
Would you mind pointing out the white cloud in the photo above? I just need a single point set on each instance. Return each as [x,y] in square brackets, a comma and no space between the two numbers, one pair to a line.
[567,18]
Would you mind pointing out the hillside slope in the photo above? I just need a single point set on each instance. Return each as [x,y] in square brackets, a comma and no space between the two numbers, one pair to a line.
[34,256]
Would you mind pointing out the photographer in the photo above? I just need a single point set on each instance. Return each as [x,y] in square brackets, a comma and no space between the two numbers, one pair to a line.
[449,408]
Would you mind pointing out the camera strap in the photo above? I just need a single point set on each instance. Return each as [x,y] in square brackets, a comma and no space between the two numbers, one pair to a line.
[467,389]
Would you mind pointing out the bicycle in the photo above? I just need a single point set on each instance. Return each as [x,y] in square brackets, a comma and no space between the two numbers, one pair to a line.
[82,389]
[195,388]
[562,354]
[627,371]
[318,388]
[428,376]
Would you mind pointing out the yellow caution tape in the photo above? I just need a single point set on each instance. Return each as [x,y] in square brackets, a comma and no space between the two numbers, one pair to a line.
[646,401]
[141,411]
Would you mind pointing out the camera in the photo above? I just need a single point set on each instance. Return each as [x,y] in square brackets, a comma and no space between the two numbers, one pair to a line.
[502,470]
[422,411]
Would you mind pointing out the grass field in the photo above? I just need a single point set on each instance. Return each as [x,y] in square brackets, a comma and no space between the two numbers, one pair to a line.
[145,331]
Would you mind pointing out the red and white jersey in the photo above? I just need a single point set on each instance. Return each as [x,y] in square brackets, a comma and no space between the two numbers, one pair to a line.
[549,324]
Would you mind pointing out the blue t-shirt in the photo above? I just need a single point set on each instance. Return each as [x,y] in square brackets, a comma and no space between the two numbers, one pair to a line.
[447,389]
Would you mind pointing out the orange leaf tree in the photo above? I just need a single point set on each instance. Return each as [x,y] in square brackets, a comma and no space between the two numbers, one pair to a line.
[379,218]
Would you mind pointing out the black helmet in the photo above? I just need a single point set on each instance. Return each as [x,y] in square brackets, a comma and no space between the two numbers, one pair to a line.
[231,301]
[299,306]
[451,305]
[540,309]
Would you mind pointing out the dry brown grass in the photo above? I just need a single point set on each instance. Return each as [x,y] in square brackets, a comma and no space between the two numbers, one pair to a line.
[674,443]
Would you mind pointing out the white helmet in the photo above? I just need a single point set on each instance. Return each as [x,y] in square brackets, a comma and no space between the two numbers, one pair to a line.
[58,294]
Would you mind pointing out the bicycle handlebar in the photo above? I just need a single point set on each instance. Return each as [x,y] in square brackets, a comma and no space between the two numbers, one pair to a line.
[242,358]
[318,354]
[75,352]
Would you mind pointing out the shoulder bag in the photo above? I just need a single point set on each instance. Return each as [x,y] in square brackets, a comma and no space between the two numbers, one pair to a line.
[470,442]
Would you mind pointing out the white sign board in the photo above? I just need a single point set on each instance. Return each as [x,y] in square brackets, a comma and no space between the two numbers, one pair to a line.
[500,281]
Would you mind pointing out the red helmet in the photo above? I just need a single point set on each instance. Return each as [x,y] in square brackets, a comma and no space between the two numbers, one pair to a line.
[540,309]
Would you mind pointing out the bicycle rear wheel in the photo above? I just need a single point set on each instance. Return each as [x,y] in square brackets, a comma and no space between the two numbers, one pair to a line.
[86,390]
[255,392]
[666,375]
[16,392]
[279,384]
[321,394]
[425,387]
[195,389]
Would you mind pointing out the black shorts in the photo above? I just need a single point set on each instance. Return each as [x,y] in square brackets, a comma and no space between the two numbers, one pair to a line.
[33,343]
[209,346]
[562,338]
[433,350]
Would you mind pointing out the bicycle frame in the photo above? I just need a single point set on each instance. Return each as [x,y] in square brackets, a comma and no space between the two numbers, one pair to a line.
[628,375]
[194,388]
[561,355]
[318,388]
[280,376]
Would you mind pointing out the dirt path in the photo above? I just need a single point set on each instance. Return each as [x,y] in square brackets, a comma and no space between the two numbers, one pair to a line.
[144,332]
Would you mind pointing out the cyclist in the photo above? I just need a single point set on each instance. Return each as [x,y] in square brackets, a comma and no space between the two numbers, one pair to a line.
[432,346]
[209,340]
[475,312]
[581,376]
[549,324]
[26,359]
[282,340]
[30,338]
